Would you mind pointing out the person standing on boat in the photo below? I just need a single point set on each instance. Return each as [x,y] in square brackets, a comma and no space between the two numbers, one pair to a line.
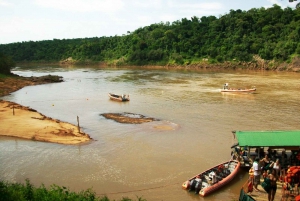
[257,172]
[226,86]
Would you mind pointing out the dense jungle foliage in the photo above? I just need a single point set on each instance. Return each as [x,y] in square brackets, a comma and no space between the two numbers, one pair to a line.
[272,34]
[26,192]
[6,63]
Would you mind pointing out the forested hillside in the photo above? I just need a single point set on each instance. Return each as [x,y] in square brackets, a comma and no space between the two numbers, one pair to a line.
[272,34]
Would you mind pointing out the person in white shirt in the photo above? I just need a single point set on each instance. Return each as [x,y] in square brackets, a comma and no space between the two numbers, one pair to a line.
[277,168]
[213,177]
[257,172]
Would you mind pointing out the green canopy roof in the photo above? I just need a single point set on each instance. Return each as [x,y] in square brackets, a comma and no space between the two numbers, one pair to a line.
[268,138]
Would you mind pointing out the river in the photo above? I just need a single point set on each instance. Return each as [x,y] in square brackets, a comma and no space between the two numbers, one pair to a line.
[130,160]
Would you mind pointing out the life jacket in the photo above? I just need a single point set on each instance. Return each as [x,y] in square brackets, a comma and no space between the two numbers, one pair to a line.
[251,172]
[220,168]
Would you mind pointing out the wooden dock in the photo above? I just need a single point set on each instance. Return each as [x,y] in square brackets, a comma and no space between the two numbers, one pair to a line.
[262,195]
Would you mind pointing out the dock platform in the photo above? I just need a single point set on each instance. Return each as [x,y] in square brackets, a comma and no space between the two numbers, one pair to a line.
[262,195]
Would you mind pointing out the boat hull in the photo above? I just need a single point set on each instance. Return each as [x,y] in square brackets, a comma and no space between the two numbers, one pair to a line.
[239,90]
[207,187]
[118,98]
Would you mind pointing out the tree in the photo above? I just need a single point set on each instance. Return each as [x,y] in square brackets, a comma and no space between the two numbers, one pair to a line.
[6,63]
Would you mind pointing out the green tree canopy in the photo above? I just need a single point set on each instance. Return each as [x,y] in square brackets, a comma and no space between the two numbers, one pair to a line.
[6,63]
[272,33]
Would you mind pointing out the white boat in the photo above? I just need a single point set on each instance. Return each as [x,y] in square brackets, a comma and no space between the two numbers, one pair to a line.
[120,98]
[239,90]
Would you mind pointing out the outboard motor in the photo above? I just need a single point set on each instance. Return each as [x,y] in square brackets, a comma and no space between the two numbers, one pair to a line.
[198,186]
[193,185]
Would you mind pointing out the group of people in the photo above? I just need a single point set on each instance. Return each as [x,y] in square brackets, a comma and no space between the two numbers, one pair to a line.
[265,167]
[271,169]
[196,183]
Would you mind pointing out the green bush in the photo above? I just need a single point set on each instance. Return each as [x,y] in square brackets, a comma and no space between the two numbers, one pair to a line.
[27,192]
[6,63]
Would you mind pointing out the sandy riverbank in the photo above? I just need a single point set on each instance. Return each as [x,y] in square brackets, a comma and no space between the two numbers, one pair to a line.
[23,122]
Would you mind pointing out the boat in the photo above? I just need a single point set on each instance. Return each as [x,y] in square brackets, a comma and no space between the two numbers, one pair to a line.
[227,89]
[251,90]
[212,179]
[120,98]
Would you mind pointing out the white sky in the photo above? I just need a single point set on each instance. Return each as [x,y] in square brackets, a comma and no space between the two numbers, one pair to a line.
[35,20]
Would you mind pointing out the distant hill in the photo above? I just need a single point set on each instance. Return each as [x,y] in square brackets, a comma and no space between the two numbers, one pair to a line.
[271,34]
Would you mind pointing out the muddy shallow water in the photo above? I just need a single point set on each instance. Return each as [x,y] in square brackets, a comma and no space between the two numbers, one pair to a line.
[149,160]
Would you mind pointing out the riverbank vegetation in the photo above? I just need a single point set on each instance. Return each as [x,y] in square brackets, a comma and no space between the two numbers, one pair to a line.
[261,38]
[19,191]
[6,63]
[12,82]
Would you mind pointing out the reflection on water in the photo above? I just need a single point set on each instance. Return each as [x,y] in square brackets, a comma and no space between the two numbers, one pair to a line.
[152,159]
[244,96]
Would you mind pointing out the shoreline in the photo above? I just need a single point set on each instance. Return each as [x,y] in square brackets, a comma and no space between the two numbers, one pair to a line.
[24,122]
[256,64]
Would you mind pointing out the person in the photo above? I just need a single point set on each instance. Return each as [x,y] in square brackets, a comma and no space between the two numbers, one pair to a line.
[285,192]
[256,172]
[284,160]
[274,155]
[265,173]
[273,185]
[261,152]
[267,162]
[277,168]
[213,177]
[226,86]
[250,180]
[251,173]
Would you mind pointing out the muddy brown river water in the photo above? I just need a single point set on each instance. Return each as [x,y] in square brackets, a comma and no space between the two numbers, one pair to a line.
[146,160]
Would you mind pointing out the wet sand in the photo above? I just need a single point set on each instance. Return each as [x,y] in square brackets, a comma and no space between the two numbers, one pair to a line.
[24,122]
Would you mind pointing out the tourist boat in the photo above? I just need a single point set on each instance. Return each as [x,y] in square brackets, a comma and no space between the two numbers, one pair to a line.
[120,98]
[227,89]
[212,179]
[239,90]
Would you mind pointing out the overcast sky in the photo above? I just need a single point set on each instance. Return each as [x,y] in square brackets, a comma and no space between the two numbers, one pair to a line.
[35,20]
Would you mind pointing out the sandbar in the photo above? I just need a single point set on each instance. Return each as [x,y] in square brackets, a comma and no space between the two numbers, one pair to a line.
[23,122]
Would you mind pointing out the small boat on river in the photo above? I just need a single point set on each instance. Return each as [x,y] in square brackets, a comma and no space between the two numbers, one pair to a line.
[238,90]
[212,179]
[120,98]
